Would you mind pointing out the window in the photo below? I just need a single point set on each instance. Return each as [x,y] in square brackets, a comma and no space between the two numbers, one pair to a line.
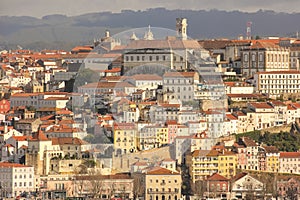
[260,57]
[245,57]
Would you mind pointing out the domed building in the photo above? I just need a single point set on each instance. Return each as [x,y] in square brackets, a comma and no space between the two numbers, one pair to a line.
[34,86]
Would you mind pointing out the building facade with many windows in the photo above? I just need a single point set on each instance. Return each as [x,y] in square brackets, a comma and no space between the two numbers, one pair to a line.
[264,56]
[16,179]
[275,83]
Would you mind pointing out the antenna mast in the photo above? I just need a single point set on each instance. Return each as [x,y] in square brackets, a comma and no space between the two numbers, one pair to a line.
[249,24]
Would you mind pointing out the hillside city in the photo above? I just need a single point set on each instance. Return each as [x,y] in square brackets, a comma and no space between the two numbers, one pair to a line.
[152,118]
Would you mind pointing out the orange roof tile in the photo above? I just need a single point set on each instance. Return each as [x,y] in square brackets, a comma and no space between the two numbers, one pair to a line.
[289,154]
[161,171]
[11,165]
[217,177]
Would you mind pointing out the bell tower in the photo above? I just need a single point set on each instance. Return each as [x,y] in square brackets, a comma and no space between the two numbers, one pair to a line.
[181,28]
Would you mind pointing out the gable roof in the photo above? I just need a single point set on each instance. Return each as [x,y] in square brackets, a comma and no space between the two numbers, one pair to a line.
[217,177]
[161,171]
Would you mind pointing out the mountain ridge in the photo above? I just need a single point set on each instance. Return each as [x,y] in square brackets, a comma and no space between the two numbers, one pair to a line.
[202,24]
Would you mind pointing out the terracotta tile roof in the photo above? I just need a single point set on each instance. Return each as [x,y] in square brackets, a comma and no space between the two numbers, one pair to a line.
[248,141]
[124,126]
[280,72]
[9,145]
[271,149]
[296,105]
[8,128]
[212,112]
[63,128]
[217,177]
[24,94]
[161,171]
[163,44]
[56,98]
[40,136]
[231,117]
[171,122]
[239,176]
[138,163]
[64,112]
[113,70]
[237,84]
[11,165]
[277,103]
[264,45]
[205,153]
[290,107]
[167,105]
[180,74]
[67,140]
[264,105]
[237,145]
[123,84]
[240,113]
[22,138]
[48,117]
[214,44]
[289,154]
[146,77]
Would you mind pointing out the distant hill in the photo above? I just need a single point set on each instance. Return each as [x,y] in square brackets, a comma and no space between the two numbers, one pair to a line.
[59,31]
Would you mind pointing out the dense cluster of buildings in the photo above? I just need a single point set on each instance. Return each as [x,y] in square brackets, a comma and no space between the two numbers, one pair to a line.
[159,122]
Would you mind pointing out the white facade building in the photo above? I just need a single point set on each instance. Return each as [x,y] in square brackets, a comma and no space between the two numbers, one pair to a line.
[16,179]
[275,83]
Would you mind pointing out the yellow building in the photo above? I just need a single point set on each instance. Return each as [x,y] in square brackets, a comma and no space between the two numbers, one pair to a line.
[204,163]
[272,158]
[227,164]
[162,184]
[124,138]
[161,135]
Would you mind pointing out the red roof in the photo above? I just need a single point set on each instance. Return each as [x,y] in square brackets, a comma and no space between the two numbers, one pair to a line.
[161,171]
[231,117]
[261,105]
[217,177]
[11,165]
[280,72]
[289,154]
[40,136]
[21,138]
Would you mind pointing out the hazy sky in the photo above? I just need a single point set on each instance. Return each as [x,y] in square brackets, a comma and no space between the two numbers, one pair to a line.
[39,8]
